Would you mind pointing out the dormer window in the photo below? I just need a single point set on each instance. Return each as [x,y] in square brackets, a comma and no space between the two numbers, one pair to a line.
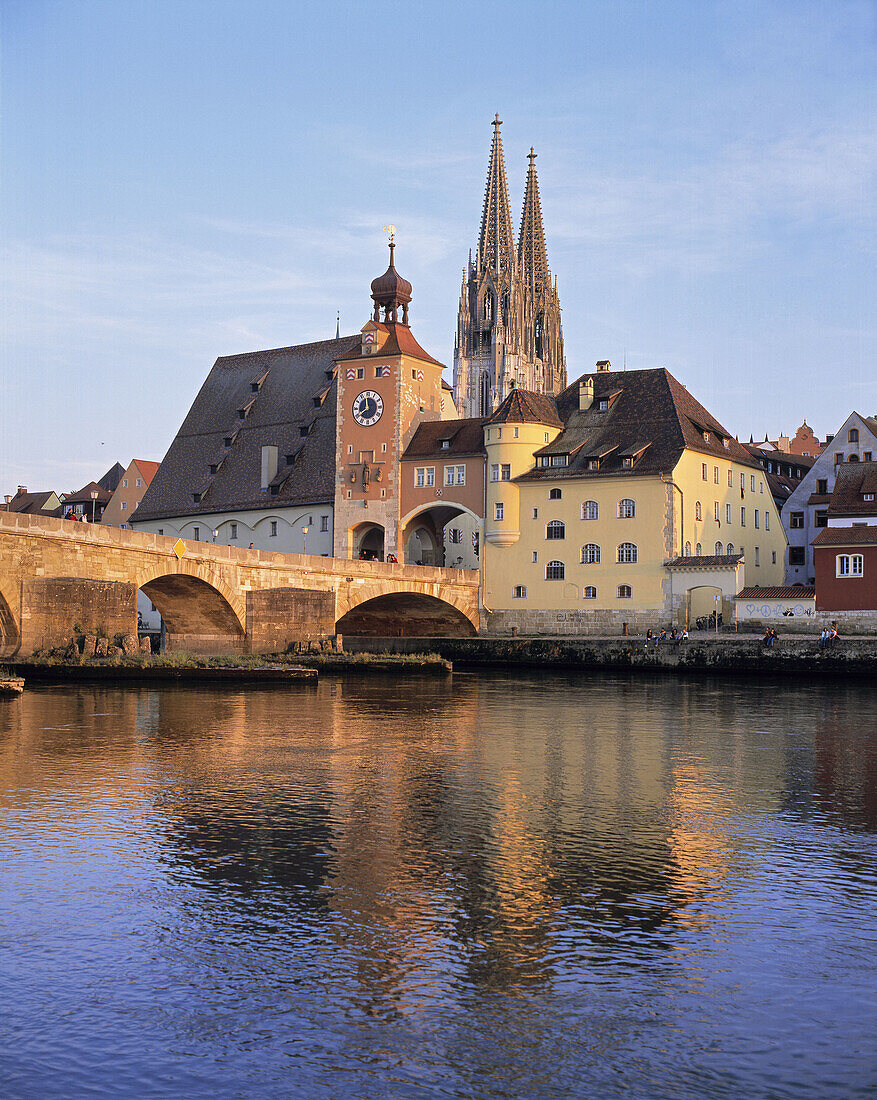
[593,463]
[227,441]
[446,443]
[304,431]
[559,460]
[706,437]
[627,462]
[603,404]
[868,496]
[726,443]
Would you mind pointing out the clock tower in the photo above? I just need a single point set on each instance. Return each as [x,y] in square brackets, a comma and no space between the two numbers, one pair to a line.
[386,387]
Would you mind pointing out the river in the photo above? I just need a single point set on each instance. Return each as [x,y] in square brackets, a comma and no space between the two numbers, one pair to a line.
[489,885]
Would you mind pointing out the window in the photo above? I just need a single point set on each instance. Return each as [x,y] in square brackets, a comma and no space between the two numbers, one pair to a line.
[626,508]
[161,530]
[494,471]
[703,471]
[516,433]
[715,475]
[849,565]
[559,460]
[535,557]
[124,506]
[273,529]
[556,529]
[535,513]
[590,510]
[766,520]
[706,437]
[730,479]
[687,550]
[590,554]
[718,550]
[555,571]
[546,437]
[698,511]
[796,520]
[820,519]
[455,475]
[196,534]
[758,555]
[555,494]
[752,482]
[498,510]
[603,405]
[773,557]
[756,519]
[730,549]
[742,517]
[139,482]
[446,444]
[796,555]
[590,592]
[822,485]
[698,551]
[324,524]
[727,513]
[838,457]
[520,592]
[233,531]
[866,456]
[626,552]
[624,592]
[124,483]
[867,496]
[853,435]
[761,487]
[506,472]
[424,475]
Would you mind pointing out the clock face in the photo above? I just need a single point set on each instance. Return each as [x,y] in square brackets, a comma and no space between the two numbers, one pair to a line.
[367,408]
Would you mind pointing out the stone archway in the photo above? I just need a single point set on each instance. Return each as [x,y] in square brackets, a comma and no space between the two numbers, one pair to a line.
[196,614]
[448,543]
[702,602]
[10,636]
[405,614]
[368,541]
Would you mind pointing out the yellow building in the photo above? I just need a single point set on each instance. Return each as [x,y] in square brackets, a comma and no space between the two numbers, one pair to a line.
[622,500]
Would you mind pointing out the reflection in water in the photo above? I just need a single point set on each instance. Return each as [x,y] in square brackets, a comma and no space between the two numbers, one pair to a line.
[480,886]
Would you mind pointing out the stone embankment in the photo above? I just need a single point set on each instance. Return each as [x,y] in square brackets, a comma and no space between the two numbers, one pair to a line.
[735,654]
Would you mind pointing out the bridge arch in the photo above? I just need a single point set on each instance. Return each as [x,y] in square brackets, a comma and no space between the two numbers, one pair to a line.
[431,520]
[10,636]
[195,605]
[405,610]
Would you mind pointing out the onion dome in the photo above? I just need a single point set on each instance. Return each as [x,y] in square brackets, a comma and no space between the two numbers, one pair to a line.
[390,292]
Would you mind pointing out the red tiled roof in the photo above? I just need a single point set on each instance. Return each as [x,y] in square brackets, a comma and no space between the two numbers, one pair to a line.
[846,536]
[465,437]
[715,561]
[147,469]
[400,341]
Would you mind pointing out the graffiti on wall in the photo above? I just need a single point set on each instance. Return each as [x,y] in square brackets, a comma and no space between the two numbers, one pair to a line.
[779,610]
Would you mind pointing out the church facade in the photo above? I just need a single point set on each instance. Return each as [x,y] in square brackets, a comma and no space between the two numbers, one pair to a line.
[509,334]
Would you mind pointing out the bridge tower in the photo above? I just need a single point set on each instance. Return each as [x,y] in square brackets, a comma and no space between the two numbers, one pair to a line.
[386,387]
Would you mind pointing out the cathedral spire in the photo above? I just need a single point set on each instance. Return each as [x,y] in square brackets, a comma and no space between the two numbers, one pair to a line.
[532,254]
[496,245]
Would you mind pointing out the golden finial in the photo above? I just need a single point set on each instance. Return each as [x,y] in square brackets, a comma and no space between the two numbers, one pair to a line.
[391,229]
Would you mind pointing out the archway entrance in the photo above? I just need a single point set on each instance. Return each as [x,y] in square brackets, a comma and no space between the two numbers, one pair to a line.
[702,602]
[368,542]
[423,547]
[9,637]
[441,535]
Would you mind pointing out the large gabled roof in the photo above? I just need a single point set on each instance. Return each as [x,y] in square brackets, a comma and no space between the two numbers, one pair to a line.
[284,397]
[650,419]
[463,438]
[854,481]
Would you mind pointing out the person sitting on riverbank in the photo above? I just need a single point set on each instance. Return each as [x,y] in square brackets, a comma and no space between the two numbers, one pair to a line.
[770,637]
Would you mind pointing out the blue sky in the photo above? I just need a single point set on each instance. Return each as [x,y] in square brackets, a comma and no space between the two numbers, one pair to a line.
[191,179]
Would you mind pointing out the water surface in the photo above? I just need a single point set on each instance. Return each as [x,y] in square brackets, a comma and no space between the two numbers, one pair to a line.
[482,886]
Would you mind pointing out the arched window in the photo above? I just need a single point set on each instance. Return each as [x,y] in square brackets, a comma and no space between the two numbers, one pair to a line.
[687,550]
[719,550]
[626,552]
[730,548]
[624,592]
[520,592]
[626,508]
[556,529]
[590,592]
[555,571]
[698,551]
[698,511]
[488,307]
[590,554]
[590,510]
[555,494]
[853,435]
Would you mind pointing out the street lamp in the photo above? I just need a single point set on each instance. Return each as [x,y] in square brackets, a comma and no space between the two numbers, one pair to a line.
[215,533]
[94,496]
[304,538]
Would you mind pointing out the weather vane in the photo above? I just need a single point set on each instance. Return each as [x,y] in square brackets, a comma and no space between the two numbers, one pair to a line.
[391,229]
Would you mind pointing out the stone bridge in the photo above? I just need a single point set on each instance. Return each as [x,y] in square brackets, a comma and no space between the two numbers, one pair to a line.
[58,577]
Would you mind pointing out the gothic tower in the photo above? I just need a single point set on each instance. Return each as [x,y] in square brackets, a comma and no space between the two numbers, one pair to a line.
[508,325]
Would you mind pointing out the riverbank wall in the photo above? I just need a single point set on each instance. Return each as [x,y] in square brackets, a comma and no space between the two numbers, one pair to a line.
[791,656]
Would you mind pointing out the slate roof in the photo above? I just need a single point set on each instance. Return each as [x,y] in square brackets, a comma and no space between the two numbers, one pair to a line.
[704,561]
[524,407]
[846,536]
[854,479]
[32,503]
[275,391]
[83,495]
[465,438]
[790,592]
[651,415]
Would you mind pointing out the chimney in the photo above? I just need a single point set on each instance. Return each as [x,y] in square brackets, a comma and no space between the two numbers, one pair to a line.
[269,465]
[22,490]
[603,365]
[586,393]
